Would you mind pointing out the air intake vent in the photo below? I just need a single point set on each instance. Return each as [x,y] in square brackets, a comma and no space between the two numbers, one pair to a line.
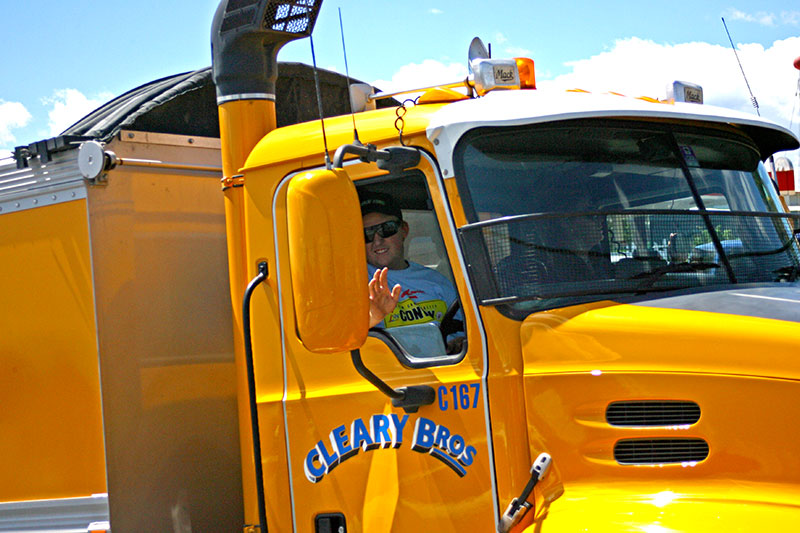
[291,16]
[652,413]
[659,451]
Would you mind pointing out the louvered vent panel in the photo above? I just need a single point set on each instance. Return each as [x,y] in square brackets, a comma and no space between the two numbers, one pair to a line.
[651,413]
[659,451]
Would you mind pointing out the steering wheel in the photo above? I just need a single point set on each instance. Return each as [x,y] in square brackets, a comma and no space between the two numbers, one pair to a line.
[448,325]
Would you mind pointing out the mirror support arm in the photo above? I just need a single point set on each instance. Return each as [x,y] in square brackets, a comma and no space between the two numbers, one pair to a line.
[409,398]
[393,158]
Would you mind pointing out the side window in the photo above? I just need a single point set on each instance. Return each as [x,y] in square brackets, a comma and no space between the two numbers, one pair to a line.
[424,244]
[402,234]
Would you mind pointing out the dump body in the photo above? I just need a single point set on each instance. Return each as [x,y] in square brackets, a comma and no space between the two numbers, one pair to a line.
[119,366]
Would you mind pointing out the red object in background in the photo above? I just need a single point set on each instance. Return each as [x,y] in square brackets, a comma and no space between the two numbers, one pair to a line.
[785,180]
[797,62]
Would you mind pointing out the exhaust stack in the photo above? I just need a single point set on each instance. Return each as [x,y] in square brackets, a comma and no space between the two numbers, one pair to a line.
[246,36]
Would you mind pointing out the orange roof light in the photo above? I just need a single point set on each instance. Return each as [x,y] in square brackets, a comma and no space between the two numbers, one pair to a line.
[527,75]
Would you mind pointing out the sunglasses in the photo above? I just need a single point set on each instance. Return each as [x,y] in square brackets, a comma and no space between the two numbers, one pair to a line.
[386,229]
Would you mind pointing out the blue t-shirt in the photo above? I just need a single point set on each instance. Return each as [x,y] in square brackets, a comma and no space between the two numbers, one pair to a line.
[425,297]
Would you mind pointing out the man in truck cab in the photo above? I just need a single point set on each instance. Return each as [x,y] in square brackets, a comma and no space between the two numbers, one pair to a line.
[418,294]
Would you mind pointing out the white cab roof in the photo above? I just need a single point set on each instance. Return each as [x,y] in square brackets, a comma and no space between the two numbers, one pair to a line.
[520,107]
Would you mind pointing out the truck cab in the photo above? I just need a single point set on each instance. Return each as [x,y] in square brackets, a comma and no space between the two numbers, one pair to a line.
[571,225]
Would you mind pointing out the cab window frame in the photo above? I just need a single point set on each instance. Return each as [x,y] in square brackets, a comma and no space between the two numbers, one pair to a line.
[409,197]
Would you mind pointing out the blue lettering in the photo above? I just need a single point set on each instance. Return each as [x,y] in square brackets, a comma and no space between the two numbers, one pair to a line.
[423,435]
[361,436]
[442,401]
[379,427]
[442,436]
[330,461]
[385,431]
[339,443]
[398,425]
[313,473]
[455,446]
[468,456]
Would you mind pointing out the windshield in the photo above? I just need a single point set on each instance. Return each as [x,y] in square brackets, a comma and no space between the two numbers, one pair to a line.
[586,210]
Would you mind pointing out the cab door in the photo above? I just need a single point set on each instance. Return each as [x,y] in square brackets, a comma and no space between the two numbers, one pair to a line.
[360,463]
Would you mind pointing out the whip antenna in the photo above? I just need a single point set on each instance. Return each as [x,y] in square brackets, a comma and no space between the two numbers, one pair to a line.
[347,74]
[319,104]
[752,97]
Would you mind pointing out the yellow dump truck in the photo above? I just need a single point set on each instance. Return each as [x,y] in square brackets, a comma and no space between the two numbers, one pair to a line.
[627,304]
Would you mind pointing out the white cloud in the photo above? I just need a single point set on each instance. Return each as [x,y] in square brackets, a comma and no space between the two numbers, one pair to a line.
[13,115]
[429,72]
[761,17]
[434,11]
[499,38]
[790,18]
[638,67]
[505,48]
[69,106]
[516,51]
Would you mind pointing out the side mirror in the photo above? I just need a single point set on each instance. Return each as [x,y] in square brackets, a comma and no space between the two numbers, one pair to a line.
[328,262]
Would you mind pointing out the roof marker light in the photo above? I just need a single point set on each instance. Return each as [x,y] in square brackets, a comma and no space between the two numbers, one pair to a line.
[527,74]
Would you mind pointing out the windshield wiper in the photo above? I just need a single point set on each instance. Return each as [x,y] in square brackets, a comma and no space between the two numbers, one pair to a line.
[651,276]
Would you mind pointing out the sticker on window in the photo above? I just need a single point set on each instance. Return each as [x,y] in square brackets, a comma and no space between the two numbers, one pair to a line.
[689,157]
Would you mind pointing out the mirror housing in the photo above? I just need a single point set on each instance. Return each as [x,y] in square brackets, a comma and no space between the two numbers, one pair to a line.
[327,261]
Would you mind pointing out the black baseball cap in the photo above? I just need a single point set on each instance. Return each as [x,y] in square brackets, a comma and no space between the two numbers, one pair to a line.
[380,203]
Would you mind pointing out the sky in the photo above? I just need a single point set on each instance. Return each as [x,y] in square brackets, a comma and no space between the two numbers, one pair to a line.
[62,59]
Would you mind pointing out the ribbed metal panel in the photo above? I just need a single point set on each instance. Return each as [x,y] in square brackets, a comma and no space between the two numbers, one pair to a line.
[68,514]
[652,413]
[660,451]
[56,181]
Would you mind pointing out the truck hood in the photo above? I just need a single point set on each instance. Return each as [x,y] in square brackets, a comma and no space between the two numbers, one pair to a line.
[709,383]
[748,331]
[779,303]
[637,509]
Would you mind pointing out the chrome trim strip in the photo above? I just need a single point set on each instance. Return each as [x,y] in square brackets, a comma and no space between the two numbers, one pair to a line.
[245,96]
[31,199]
[283,183]
[65,514]
[40,184]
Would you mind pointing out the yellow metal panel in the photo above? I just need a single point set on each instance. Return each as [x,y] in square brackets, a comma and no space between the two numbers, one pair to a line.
[741,371]
[676,507]
[609,336]
[242,124]
[304,140]
[411,489]
[268,362]
[51,432]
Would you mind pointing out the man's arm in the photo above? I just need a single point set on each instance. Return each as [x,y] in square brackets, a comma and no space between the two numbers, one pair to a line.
[382,301]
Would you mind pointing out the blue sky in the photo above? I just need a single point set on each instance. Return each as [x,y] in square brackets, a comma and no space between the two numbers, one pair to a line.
[62,59]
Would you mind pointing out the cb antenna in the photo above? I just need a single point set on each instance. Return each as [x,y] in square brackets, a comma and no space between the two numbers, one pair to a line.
[752,97]
[347,73]
[319,104]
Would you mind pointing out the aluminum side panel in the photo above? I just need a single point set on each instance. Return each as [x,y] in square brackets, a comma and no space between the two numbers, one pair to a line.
[165,336]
